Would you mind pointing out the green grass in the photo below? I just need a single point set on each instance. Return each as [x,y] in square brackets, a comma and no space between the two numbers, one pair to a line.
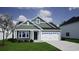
[26,46]
[72,40]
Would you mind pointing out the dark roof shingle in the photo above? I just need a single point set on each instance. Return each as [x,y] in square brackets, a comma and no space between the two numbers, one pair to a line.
[71,20]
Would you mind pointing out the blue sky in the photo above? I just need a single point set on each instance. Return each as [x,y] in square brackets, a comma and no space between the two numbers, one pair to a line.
[58,14]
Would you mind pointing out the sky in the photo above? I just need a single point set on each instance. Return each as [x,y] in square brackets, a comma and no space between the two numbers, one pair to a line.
[51,14]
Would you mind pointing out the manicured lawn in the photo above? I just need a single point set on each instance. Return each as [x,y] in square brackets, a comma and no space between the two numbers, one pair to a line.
[72,40]
[26,46]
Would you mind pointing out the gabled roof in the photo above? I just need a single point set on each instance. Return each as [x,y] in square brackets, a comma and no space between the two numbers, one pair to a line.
[71,20]
[54,25]
[25,26]
[46,25]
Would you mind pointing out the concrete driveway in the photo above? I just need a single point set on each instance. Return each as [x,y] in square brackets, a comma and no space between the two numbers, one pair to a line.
[64,45]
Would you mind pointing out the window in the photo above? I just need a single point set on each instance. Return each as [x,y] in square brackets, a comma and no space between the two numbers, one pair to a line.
[23,34]
[27,34]
[38,21]
[67,34]
[27,23]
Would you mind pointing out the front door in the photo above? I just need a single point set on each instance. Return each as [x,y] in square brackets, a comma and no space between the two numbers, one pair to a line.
[35,35]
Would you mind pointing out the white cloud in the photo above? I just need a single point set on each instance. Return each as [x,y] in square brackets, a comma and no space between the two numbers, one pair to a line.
[21,18]
[48,19]
[46,15]
[70,9]
[73,8]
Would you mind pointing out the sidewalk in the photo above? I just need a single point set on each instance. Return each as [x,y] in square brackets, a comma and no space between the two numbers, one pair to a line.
[65,45]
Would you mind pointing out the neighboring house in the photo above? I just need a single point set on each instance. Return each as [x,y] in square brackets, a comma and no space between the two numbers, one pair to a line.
[1,34]
[37,29]
[70,28]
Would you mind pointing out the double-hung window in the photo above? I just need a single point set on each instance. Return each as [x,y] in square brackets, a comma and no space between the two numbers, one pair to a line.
[23,34]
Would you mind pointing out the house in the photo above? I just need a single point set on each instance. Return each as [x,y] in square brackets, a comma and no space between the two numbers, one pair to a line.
[36,29]
[1,34]
[70,28]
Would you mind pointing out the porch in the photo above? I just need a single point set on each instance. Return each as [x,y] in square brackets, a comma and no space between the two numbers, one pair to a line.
[27,35]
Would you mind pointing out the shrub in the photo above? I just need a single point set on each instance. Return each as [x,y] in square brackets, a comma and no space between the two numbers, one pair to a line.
[31,40]
[9,39]
[26,40]
[20,41]
[63,38]
[12,40]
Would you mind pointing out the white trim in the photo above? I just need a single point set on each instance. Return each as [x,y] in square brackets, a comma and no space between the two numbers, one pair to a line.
[21,23]
[44,21]
[53,30]
[34,17]
[47,22]
[27,29]
[36,25]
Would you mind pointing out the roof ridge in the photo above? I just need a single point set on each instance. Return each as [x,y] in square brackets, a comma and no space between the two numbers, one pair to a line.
[71,20]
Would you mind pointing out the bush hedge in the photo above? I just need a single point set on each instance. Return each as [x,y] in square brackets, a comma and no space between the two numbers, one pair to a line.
[31,40]
[26,40]
[12,40]
[63,38]
[15,40]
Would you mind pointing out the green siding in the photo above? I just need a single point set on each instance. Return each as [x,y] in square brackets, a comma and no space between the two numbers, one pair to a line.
[25,26]
[44,25]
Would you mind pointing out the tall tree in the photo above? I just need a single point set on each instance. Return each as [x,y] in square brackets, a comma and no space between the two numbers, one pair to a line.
[6,25]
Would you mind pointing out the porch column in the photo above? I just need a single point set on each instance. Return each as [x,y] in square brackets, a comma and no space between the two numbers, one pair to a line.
[15,34]
[32,35]
[39,35]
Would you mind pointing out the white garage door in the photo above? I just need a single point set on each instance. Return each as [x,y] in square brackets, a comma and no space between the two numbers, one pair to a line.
[50,35]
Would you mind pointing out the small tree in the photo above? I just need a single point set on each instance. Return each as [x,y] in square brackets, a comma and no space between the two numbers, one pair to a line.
[6,25]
